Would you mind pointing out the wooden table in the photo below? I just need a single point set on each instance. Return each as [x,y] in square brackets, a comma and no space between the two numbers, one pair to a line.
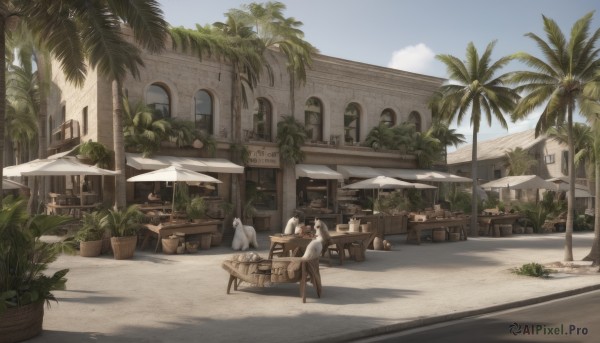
[72,210]
[491,220]
[167,229]
[341,240]
[415,228]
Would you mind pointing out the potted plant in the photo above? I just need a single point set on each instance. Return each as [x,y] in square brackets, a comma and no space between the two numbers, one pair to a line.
[196,209]
[123,226]
[90,235]
[24,288]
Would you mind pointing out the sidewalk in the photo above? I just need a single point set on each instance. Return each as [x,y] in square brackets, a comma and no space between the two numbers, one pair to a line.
[182,298]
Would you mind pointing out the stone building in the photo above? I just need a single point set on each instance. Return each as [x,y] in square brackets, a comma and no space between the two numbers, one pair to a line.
[339,103]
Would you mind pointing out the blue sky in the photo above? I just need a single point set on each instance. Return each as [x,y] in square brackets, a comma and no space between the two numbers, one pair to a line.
[408,34]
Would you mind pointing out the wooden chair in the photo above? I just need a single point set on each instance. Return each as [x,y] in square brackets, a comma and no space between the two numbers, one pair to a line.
[278,270]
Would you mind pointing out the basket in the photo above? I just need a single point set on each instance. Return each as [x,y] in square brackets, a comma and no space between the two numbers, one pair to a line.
[90,248]
[191,247]
[169,245]
[215,239]
[21,323]
[205,241]
[439,235]
[123,247]
[342,227]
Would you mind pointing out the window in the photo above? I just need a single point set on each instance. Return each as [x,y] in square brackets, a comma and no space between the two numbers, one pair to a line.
[388,117]
[313,119]
[63,114]
[203,112]
[352,123]
[415,118]
[549,159]
[157,98]
[497,174]
[262,120]
[84,120]
[261,187]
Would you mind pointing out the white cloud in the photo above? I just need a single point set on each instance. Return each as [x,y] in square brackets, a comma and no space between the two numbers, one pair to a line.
[414,58]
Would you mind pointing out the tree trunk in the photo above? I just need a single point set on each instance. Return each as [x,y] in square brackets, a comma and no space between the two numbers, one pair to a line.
[119,146]
[474,222]
[594,254]
[2,95]
[41,188]
[571,195]
[236,119]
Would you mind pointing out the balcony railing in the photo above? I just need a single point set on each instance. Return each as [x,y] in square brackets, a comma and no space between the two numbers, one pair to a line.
[64,134]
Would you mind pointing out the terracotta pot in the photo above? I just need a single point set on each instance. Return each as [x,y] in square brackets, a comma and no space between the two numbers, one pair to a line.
[90,248]
[378,243]
[21,323]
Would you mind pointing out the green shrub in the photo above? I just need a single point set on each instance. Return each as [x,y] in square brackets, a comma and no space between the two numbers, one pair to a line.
[532,269]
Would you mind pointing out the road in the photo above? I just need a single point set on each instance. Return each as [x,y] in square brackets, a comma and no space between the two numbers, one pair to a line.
[572,319]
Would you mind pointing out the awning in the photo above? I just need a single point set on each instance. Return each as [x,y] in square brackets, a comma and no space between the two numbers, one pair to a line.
[56,167]
[316,171]
[423,175]
[520,182]
[358,171]
[210,165]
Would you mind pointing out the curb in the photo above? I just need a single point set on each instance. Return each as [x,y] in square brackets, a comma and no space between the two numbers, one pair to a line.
[393,328]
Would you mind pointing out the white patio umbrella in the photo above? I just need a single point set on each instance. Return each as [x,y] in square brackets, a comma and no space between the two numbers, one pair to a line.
[10,184]
[173,174]
[61,166]
[380,182]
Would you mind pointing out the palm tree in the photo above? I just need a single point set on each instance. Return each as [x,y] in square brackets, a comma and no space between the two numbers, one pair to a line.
[518,161]
[564,78]
[446,136]
[475,87]
[291,135]
[246,40]
[141,131]
[80,32]
[590,153]
[426,148]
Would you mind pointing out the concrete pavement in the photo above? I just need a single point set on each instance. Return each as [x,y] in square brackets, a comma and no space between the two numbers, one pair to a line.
[182,298]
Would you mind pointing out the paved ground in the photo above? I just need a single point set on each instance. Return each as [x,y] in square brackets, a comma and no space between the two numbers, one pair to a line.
[181,298]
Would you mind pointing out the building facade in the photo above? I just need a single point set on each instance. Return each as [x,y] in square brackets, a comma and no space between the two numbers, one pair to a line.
[339,104]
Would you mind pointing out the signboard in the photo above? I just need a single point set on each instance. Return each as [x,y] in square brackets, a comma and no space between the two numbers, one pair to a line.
[263,156]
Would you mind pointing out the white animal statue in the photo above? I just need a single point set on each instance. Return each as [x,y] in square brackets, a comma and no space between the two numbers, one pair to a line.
[291,225]
[322,230]
[314,249]
[244,237]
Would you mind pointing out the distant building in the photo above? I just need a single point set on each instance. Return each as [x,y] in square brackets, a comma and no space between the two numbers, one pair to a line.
[551,157]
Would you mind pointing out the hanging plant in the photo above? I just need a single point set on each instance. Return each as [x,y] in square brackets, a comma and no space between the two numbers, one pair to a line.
[98,153]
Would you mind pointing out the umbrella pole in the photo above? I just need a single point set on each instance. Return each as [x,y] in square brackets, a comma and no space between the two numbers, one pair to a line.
[173,203]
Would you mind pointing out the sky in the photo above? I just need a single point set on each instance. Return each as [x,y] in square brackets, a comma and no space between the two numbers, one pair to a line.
[407,35]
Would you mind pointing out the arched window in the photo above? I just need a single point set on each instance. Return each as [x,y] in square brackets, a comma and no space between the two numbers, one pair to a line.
[313,119]
[415,118]
[352,123]
[388,117]
[203,113]
[157,98]
[263,113]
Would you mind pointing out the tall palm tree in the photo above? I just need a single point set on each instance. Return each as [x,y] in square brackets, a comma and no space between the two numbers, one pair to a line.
[565,77]
[475,87]
[247,40]
[518,161]
[79,32]
[426,148]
